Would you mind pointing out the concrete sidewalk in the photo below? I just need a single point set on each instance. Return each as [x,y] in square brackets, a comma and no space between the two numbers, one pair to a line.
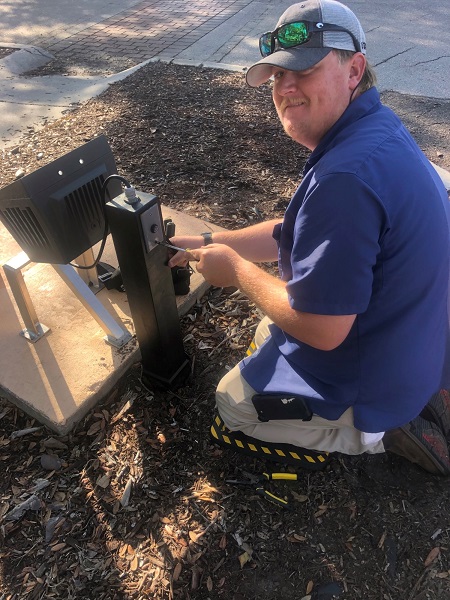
[408,45]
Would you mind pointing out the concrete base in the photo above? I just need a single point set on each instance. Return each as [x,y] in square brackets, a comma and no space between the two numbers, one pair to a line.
[63,375]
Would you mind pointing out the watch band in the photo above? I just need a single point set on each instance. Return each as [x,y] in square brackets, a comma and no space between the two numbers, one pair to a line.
[207,238]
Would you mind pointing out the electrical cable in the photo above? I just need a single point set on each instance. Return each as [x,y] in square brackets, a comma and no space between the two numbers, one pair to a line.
[105,183]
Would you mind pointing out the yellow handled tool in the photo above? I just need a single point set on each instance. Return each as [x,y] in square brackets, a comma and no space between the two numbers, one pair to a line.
[255,480]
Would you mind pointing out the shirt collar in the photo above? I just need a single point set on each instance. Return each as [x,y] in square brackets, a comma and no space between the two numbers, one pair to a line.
[363,104]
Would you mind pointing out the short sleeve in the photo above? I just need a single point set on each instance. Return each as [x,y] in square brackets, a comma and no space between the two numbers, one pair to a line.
[336,242]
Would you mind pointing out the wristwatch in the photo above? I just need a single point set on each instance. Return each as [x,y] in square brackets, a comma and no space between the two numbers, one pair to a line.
[207,237]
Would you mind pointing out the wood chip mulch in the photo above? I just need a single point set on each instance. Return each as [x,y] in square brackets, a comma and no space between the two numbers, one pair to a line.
[133,503]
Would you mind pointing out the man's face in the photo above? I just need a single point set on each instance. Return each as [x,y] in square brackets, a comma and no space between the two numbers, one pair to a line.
[309,102]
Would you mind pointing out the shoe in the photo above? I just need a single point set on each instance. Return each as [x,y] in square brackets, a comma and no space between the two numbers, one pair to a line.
[421,442]
[282,453]
[438,411]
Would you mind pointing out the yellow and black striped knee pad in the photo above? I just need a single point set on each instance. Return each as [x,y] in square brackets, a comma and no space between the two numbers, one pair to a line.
[282,453]
[251,348]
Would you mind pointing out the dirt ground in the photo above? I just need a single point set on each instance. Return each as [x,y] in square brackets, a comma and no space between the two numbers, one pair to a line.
[134,503]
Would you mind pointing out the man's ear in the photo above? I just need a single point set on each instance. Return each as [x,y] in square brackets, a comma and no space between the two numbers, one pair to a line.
[357,67]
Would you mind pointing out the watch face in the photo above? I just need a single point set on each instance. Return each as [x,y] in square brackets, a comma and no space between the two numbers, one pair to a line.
[207,237]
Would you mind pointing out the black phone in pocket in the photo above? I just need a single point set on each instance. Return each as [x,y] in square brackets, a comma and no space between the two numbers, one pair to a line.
[276,407]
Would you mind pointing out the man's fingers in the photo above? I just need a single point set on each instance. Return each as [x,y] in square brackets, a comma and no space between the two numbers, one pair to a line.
[182,258]
[179,259]
[194,254]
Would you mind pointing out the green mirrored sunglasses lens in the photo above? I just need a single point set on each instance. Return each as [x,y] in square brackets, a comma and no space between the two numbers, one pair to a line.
[292,34]
[265,44]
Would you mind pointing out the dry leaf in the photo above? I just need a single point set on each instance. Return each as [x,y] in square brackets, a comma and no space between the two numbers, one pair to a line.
[193,536]
[195,580]
[95,428]
[194,558]
[432,556]
[244,558]
[443,575]
[382,538]
[309,587]
[209,584]
[112,545]
[177,571]
[165,520]
[125,499]
[58,547]
[295,538]
[247,548]
[299,497]
[54,444]
[134,563]
[223,542]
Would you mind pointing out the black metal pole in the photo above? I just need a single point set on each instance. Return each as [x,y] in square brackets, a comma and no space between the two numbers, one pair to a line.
[136,229]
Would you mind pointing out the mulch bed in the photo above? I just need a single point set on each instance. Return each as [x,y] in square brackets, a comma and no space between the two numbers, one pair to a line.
[134,503]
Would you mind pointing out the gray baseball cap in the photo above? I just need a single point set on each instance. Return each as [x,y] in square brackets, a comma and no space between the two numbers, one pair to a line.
[318,14]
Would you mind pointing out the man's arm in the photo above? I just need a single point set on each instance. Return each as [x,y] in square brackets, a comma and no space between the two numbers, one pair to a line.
[254,243]
[222,267]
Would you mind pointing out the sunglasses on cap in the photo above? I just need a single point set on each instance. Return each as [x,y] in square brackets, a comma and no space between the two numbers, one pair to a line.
[296,34]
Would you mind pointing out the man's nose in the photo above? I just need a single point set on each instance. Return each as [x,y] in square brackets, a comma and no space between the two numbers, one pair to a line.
[288,83]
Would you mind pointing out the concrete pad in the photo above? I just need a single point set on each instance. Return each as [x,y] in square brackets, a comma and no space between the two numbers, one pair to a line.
[63,375]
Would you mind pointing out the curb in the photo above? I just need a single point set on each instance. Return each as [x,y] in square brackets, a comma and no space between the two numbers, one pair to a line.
[25,58]
[175,61]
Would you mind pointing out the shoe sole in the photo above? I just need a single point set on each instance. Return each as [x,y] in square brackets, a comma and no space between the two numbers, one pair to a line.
[421,426]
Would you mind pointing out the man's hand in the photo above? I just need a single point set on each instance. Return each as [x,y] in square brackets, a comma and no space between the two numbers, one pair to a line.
[218,263]
[188,241]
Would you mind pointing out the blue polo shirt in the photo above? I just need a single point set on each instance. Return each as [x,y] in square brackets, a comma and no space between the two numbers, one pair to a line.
[366,233]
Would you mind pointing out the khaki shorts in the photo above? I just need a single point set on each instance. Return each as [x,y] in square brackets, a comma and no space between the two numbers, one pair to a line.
[233,398]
